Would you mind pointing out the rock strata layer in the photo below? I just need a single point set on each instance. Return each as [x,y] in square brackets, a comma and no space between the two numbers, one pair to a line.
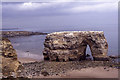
[9,64]
[71,45]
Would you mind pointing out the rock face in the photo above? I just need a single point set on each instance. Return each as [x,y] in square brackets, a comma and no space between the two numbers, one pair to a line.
[71,45]
[9,63]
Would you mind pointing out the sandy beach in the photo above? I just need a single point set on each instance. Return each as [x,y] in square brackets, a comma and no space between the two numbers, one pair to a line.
[98,72]
[27,60]
[87,72]
[34,64]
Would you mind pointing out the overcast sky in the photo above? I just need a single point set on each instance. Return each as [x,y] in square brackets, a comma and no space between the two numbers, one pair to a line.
[61,14]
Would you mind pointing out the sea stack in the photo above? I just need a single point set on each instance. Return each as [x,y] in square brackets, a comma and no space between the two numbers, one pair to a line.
[9,63]
[71,46]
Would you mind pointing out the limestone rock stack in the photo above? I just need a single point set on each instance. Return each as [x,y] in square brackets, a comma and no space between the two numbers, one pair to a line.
[71,45]
[9,63]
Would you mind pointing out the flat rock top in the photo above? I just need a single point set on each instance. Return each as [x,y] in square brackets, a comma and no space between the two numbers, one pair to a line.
[72,32]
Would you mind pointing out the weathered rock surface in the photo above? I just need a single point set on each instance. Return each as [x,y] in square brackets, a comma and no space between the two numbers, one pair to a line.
[9,64]
[71,45]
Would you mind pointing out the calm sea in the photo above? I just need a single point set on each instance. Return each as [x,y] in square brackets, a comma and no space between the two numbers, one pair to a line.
[32,46]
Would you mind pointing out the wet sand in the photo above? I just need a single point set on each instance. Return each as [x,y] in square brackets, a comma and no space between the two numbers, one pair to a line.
[27,60]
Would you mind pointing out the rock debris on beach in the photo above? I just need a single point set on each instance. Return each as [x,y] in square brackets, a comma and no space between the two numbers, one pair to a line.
[47,68]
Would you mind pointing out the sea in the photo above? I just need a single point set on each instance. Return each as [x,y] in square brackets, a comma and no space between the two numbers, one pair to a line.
[32,46]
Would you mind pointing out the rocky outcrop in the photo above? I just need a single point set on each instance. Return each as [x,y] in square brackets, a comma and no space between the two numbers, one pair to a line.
[9,64]
[71,45]
[20,33]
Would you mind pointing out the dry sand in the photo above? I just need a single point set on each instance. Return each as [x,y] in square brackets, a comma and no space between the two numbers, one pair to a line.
[98,72]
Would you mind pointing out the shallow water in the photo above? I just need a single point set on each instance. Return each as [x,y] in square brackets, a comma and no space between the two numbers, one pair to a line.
[32,46]
[29,46]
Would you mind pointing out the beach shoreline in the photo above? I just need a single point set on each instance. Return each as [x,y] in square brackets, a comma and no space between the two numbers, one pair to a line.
[98,72]
[27,57]
[36,67]
[28,60]
[74,69]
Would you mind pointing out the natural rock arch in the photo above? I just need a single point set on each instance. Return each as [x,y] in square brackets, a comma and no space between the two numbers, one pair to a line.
[71,46]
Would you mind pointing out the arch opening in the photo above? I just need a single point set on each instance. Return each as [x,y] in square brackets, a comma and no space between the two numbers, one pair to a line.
[88,53]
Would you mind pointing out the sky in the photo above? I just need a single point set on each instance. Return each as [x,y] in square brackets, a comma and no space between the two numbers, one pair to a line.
[64,15]
[60,14]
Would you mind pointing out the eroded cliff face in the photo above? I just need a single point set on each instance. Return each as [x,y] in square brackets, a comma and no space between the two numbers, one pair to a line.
[9,64]
[71,45]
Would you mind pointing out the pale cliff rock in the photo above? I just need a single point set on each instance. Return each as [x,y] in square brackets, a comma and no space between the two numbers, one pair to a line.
[9,64]
[71,45]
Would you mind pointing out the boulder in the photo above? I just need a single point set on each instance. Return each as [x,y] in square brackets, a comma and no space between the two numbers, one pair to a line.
[71,45]
[9,63]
